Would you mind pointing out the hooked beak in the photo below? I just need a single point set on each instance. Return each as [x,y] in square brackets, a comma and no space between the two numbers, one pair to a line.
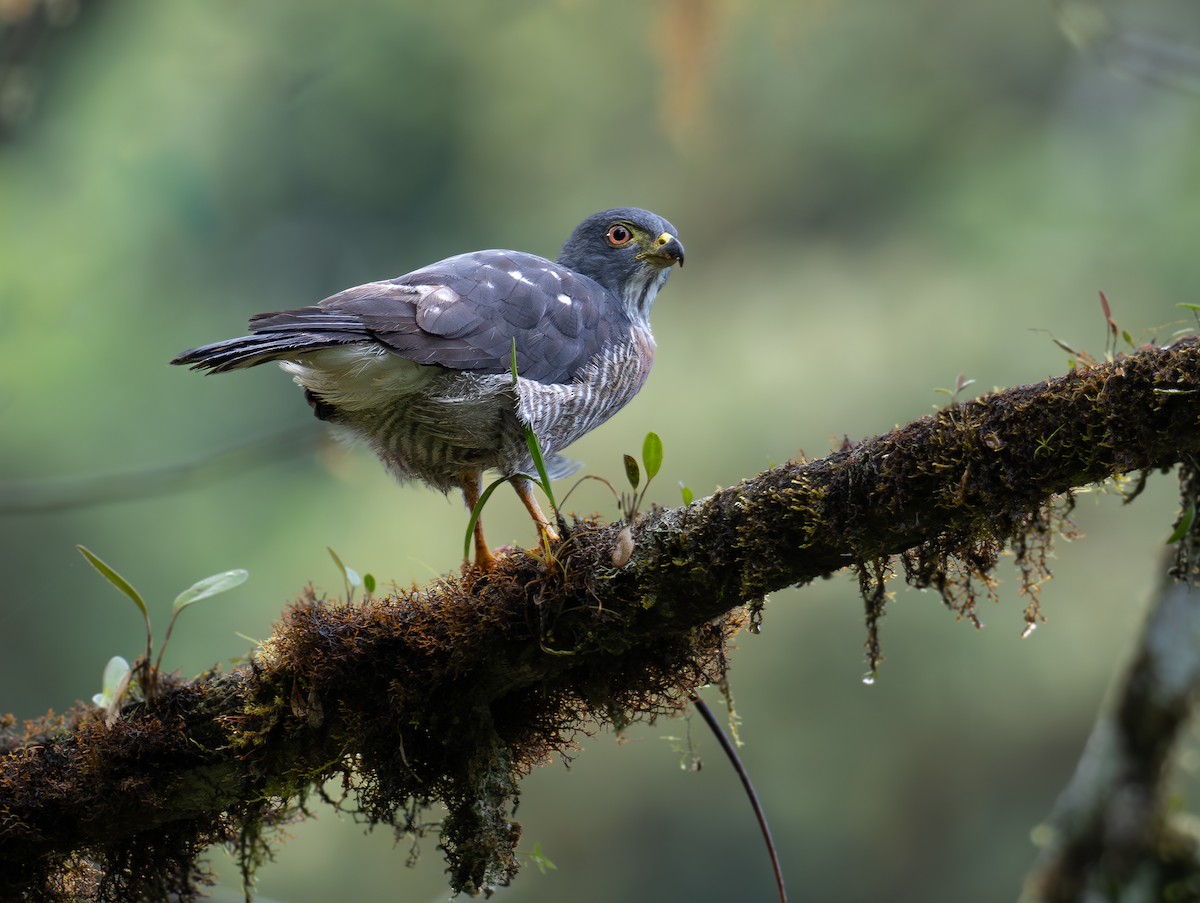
[664,251]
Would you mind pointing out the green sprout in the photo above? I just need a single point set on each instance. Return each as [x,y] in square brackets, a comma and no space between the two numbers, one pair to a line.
[629,503]
[538,858]
[1043,443]
[1113,337]
[960,383]
[351,578]
[652,457]
[124,586]
[114,683]
[1185,524]
[148,674]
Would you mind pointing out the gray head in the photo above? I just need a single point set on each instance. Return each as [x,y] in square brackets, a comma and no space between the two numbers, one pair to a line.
[628,251]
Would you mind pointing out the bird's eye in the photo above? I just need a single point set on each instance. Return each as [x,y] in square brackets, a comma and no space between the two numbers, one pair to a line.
[618,235]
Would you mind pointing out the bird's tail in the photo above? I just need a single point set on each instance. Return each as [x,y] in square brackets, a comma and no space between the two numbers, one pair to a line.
[252,350]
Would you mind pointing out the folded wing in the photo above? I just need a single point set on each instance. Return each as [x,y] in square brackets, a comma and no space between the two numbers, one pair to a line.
[463,313]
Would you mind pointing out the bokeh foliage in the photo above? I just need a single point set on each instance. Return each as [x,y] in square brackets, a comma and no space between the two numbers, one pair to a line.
[874,197]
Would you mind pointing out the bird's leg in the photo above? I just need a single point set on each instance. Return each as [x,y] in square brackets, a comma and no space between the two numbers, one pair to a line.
[471,481]
[524,489]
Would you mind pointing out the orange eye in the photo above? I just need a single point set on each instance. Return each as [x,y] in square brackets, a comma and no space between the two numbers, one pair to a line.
[618,235]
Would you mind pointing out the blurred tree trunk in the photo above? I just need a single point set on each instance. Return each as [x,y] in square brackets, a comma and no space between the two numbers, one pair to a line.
[1111,835]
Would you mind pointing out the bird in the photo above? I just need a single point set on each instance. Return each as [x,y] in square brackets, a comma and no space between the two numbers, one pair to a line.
[421,366]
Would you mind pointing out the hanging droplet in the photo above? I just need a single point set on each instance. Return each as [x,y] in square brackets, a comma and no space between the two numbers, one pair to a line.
[869,678]
[1029,628]
[756,616]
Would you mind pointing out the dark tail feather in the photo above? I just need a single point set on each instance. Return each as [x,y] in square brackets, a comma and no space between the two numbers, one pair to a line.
[251,350]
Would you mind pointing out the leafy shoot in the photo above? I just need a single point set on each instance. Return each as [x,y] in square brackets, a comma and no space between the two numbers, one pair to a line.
[148,674]
[538,858]
[960,383]
[114,683]
[351,579]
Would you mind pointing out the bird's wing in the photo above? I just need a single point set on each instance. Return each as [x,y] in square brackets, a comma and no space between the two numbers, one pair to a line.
[468,311]
[463,313]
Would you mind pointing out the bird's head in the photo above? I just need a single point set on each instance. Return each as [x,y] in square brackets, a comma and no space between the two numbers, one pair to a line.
[628,251]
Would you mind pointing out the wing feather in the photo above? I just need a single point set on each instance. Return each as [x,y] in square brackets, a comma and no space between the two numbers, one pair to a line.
[462,313]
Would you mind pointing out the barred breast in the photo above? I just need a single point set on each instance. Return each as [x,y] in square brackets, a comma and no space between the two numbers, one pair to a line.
[436,424]
[560,414]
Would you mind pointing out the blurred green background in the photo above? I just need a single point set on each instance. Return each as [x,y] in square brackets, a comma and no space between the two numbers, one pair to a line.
[874,196]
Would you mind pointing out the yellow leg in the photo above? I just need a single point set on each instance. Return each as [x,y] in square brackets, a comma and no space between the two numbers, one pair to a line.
[471,481]
[525,491]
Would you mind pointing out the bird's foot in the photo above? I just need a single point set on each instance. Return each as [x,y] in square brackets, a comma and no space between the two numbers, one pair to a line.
[484,559]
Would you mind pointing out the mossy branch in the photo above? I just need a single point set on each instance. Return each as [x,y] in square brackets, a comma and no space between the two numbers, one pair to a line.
[450,693]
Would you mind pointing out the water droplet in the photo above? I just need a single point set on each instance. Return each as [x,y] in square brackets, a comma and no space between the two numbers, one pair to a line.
[869,678]
[755,627]
[1029,628]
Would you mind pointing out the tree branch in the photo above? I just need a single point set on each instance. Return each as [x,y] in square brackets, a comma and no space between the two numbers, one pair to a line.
[450,693]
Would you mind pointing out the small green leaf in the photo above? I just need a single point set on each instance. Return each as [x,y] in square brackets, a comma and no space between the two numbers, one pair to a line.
[632,473]
[1195,308]
[210,586]
[348,573]
[336,560]
[201,589]
[535,451]
[115,579]
[369,582]
[349,576]
[652,455]
[116,678]
[1128,338]
[1185,524]
[686,493]
[538,858]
